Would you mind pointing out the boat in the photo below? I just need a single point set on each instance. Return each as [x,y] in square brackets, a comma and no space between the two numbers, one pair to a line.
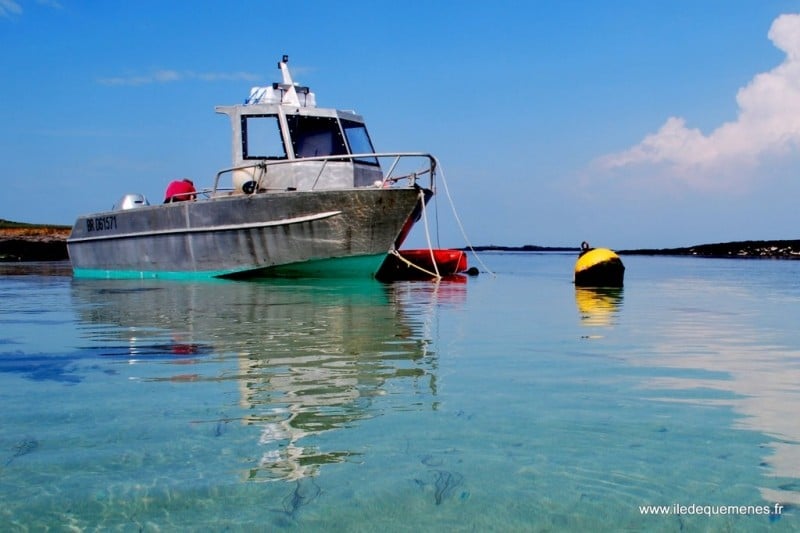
[306,195]
[422,264]
[598,267]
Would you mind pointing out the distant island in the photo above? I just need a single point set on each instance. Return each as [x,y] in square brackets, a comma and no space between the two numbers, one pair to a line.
[781,249]
[774,249]
[46,242]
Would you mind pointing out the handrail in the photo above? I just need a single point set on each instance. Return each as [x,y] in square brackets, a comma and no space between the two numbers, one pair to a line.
[264,165]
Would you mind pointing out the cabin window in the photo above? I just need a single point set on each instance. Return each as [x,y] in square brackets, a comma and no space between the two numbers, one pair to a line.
[261,137]
[315,136]
[358,139]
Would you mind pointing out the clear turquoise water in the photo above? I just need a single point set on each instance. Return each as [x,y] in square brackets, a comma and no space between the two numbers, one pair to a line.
[507,403]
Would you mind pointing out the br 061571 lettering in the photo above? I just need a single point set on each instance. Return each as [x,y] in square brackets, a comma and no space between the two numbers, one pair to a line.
[101,223]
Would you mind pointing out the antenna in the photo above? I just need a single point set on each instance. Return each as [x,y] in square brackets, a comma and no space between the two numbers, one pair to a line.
[291,94]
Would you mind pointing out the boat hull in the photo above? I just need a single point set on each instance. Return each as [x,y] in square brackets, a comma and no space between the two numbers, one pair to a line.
[288,233]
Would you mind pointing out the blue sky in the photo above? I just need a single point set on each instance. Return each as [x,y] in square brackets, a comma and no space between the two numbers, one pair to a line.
[622,122]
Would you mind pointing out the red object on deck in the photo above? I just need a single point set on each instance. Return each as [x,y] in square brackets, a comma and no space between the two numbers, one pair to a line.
[419,264]
[179,190]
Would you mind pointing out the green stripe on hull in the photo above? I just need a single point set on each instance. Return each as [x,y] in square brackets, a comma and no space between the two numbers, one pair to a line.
[98,273]
[345,267]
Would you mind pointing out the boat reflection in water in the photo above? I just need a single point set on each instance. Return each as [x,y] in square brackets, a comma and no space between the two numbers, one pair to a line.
[598,306]
[305,357]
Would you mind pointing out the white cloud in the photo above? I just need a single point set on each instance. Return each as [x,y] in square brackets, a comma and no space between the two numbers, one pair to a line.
[225,76]
[167,76]
[9,8]
[768,124]
[55,4]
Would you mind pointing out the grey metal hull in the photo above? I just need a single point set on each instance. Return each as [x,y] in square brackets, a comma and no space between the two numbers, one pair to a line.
[242,234]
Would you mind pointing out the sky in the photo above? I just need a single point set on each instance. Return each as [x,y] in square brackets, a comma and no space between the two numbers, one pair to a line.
[625,123]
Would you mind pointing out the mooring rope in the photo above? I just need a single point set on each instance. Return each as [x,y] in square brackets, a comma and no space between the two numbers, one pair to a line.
[458,221]
[436,275]
[427,233]
[409,263]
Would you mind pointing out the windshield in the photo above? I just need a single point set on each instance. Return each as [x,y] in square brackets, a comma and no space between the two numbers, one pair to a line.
[315,136]
[358,139]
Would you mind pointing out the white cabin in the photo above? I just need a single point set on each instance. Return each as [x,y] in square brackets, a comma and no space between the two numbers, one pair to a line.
[281,123]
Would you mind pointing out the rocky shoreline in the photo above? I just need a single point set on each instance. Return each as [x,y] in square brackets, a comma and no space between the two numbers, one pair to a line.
[32,242]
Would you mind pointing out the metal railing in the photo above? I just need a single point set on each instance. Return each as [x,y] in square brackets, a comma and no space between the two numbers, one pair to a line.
[260,169]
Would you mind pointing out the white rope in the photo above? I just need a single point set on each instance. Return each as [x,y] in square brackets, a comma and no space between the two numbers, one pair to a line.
[427,232]
[458,221]
[436,275]
[409,263]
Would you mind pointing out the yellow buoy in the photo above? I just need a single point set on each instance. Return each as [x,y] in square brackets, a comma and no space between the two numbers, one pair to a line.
[598,267]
